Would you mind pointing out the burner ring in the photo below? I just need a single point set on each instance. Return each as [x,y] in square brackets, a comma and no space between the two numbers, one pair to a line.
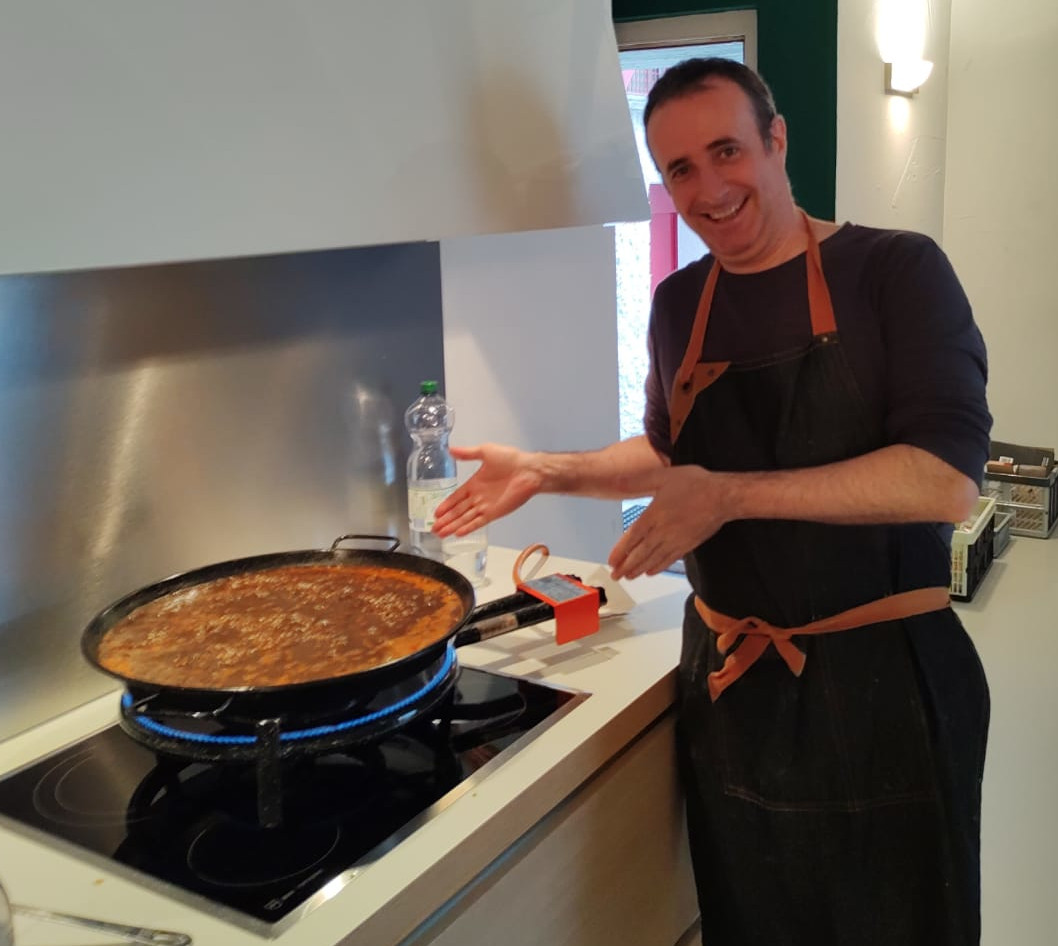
[314,732]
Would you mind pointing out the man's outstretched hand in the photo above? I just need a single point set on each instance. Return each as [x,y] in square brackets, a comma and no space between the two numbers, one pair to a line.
[505,480]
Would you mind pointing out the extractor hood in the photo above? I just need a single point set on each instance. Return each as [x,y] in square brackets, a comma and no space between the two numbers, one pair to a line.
[151,132]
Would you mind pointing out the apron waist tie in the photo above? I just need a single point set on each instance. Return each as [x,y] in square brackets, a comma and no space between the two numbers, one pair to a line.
[759,633]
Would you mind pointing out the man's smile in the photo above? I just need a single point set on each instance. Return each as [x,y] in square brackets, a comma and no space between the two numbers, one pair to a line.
[726,213]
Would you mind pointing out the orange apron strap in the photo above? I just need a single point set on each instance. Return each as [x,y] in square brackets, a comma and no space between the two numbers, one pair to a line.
[693,376]
[759,633]
[683,394]
[820,308]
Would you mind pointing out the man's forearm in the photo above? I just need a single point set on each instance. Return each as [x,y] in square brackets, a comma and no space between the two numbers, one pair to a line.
[899,483]
[895,484]
[624,469]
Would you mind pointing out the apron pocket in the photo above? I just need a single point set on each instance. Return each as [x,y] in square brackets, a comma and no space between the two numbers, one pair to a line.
[847,735]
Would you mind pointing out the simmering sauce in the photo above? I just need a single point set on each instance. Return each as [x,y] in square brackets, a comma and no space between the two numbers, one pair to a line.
[278,626]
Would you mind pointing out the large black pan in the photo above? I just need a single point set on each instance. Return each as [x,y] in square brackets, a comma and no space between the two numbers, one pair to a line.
[369,681]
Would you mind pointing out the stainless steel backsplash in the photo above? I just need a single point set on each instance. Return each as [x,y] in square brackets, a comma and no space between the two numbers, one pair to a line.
[156,419]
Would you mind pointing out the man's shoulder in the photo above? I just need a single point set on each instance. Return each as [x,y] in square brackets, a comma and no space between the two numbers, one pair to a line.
[878,242]
[686,281]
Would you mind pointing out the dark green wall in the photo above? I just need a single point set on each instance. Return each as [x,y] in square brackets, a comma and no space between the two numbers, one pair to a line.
[797,54]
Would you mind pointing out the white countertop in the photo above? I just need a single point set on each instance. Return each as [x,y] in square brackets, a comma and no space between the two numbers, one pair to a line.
[627,667]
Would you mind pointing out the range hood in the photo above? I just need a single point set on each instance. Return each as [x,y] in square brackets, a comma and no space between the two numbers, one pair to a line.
[150,132]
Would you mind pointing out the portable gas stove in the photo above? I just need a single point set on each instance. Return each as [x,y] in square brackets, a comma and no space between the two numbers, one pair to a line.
[255,824]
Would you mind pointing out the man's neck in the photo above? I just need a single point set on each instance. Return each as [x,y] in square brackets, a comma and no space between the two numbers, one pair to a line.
[791,240]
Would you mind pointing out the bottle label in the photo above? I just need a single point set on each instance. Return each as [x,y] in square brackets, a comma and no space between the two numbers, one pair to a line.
[423,503]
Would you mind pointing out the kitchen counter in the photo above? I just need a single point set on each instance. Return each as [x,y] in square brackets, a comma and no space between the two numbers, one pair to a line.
[627,667]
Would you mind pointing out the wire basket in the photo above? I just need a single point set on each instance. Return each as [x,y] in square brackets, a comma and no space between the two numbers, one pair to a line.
[972,550]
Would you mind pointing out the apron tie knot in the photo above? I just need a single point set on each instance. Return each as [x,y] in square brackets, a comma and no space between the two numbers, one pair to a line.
[757,634]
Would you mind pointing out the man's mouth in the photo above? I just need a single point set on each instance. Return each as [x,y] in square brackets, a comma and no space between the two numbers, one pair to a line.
[727,213]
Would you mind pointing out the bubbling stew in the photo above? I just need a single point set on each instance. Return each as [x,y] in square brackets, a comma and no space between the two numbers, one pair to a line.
[280,626]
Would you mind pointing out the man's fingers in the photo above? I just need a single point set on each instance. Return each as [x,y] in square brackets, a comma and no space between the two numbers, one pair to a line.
[474,520]
[636,550]
[460,514]
[466,453]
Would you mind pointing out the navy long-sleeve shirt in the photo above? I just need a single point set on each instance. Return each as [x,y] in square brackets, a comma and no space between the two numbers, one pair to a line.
[903,320]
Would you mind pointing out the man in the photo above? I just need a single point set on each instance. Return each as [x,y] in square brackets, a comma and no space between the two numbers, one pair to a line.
[815,422]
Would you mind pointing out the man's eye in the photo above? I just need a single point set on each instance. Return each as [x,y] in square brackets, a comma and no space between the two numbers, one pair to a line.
[728,153]
[676,173]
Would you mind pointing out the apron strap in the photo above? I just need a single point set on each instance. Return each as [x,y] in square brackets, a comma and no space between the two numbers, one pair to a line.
[820,308]
[694,376]
[759,633]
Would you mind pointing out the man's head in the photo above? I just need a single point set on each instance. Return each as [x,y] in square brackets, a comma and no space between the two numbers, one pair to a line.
[692,75]
[720,148]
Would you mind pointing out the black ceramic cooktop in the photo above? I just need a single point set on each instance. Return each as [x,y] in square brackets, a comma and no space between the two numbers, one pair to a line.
[194,826]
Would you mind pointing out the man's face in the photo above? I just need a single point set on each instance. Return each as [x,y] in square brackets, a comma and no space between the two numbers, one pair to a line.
[727,187]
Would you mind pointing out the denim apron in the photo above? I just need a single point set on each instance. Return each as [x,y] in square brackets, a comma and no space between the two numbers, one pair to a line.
[833,775]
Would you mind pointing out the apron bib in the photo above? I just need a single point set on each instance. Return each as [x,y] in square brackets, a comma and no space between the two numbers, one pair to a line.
[827,800]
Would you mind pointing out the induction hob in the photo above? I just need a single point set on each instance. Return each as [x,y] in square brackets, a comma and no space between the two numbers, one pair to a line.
[191,828]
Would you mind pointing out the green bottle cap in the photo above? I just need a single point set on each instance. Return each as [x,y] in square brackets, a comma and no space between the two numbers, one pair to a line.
[428,387]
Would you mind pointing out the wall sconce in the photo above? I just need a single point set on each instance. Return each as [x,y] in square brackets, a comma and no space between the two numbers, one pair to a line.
[906,76]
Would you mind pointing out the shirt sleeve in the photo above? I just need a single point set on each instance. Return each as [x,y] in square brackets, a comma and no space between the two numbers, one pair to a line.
[656,416]
[935,356]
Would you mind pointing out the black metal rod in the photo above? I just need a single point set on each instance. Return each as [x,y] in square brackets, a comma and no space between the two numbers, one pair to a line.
[269,777]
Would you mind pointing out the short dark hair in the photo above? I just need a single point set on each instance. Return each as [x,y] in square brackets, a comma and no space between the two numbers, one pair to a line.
[692,75]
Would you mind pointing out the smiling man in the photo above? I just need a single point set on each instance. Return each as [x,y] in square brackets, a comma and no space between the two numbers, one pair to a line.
[816,421]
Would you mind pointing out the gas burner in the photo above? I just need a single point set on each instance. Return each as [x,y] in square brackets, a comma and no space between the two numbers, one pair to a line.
[269,743]
[230,733]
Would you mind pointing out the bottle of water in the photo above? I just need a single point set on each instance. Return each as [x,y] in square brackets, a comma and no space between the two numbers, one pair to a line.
[432,478]
[431,467]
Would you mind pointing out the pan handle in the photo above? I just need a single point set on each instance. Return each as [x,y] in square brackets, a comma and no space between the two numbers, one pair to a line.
[372,538]
[497,624]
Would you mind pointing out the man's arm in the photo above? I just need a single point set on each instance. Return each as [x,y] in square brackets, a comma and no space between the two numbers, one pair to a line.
[508,477]
[898,483]
[621,470]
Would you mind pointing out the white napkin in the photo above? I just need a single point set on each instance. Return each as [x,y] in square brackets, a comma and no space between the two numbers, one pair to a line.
[618,601]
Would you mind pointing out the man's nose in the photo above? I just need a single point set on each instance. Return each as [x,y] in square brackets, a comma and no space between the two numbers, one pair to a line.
[711,187]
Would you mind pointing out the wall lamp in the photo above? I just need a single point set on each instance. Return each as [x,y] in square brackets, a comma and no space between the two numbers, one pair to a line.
[905,76]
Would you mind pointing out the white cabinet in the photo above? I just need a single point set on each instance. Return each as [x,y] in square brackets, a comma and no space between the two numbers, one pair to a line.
[610,865]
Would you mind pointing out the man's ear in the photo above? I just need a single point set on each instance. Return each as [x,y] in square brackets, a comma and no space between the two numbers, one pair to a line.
[778,135]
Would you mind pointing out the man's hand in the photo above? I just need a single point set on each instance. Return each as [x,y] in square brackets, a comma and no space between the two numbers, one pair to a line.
[504,481]
[690,504]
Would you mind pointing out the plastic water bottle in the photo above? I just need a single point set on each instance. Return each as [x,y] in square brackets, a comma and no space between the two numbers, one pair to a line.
[431,467]
[431,479]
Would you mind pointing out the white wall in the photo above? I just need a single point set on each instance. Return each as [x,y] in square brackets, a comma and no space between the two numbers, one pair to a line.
[968,161]
[890,150]
[530,335]
[1001,201]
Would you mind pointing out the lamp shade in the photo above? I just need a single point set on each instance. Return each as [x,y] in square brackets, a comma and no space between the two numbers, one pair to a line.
[905,76]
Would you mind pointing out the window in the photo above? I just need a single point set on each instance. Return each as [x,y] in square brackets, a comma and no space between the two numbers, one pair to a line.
[647,252]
